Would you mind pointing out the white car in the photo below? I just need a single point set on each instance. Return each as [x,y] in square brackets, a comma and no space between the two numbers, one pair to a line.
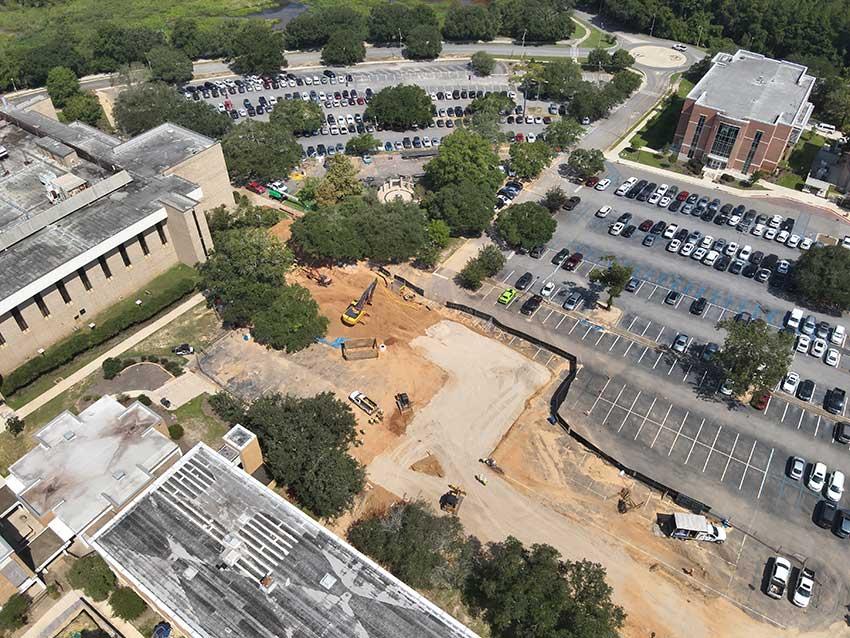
[680,47]
[803,589]
[687,249]
[711,258]
[221,108]
[707,241]
[817,477]
[670,231]
[665,201]
[835,486]
[837,335]
[531,137]
[602,184]
[733,220]
[699,253]
[782,236]
[775,221]
[832,358]
[806,243]
[845,243]
[783,267]
[745,252]
[770,233]
[758,230]
[790,383]
[803,343]
[793,241]
[654,198]
[547,289]
[604,211]
[616,228]
[818,348]
[731,248]
[673,246]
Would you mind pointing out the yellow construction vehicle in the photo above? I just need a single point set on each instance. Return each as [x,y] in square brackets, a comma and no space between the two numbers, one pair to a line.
[357,307]
[451,501]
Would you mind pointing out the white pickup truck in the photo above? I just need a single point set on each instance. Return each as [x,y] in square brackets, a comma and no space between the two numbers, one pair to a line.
[779,576]
[363,402]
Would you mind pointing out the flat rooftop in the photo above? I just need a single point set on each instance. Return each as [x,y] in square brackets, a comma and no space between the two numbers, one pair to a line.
[86,464]
[749,86]
[222,556]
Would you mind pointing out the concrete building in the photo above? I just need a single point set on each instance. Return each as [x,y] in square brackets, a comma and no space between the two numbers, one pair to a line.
[83,471]
[86,219]
[220,555]
[745,113]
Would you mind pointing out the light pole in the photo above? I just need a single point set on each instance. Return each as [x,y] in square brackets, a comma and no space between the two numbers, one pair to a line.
[522,55]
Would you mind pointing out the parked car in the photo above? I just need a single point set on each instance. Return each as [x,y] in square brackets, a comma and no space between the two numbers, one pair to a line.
[802,594]
[523,282]
[183,349]
[507,296]
[572,301]
[826,514]
[531,305]
[680,343]
[796,468]
[817,477]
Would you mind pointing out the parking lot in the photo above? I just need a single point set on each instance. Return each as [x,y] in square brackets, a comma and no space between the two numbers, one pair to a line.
[432,77]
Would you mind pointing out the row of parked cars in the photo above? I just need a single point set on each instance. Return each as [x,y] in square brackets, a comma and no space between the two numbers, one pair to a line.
[252,83]
[669,197]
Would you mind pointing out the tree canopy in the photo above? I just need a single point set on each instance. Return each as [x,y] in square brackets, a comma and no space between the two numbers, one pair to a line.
[14,613]
[314,28]
[169,65]
[614,278]
[821,278]
[297,116]
[400,107]
[424,42]
[127,604]
[340,181]
[422,548]
[83,107]
[482,63]
[471,22]
[259,150]
[525,225]
[754,355]
[586,162]
[343,48]
[530,158]
[563,134]
[392,22]
[536,20]
[531,592]
[144,106]
[305,445]
[92,575]
[554,199]
[62,84]
[464,206]
[362,144]
[486,263]
[464,156]
[257,48]
[291,321]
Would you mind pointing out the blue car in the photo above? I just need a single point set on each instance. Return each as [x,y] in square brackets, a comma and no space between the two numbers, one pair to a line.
[388,146]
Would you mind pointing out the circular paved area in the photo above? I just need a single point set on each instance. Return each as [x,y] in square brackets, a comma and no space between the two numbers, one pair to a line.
[658,57]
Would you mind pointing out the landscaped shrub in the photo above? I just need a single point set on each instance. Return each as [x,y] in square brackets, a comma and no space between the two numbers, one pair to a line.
[174,367]
[127,604]
[64,351]
[14,613]
[175,431]
[228,407]
[112,368]
[144,399]
[92,575]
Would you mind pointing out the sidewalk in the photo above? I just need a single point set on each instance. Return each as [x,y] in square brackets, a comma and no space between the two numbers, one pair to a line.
[67,608]
[115,351]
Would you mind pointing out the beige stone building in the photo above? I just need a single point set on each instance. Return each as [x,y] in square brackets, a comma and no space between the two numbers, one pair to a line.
[87,219]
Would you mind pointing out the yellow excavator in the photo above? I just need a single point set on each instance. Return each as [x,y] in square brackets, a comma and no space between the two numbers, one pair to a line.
[357,307]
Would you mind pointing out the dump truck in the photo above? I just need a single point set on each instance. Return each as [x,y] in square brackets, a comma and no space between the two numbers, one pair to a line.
[363,402]
[778,577]
[696,527]
[451,501]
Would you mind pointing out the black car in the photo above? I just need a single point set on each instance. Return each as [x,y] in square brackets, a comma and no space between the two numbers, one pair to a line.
[531,304]
[787,224]
[674,206]
[756,257]
[842,432]
[572,202]
[625,218]
[722,264]
[709,351]
[721,219]
[681,234]
[637,188]
[699,305]
[628,231]
[841,528]
[736,267]
[770,261]
[749,271]
[560,256]
[749,216]
[647,191]
[825,514]
[537,252]
[407,143]
[806,390]
[707,215]
[658,228]
[183,349]
[833,402]
[523,282]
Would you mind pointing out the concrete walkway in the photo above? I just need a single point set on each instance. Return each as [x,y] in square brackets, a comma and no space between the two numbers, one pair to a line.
[115,351]
[179,390]
[67,608]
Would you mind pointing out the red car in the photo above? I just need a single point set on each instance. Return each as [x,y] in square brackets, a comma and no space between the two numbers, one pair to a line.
[573,261]
[592,181]
[760,399]
[646,226]
[519,137]
[256,187]
[682,196]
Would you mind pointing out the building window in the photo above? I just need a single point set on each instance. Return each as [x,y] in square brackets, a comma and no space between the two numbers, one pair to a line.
[160,230]
[724,140]
[19,319]
[200,234]
[144,244]
[752,152]
[124,256]
[84,278]
[39,301]
[104,267]
[63,292]
[695,138]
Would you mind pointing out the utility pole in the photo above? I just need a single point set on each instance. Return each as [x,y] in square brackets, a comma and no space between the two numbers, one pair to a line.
[522,56]
[652,28]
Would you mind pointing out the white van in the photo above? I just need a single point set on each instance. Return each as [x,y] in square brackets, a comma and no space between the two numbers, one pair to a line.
[696,527]
[825,128]
[794,318]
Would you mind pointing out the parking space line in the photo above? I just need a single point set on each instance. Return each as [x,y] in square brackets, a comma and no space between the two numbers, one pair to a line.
[702,380]
[645,329]
[672,367]
[645,417]
[551,312]
[764,476]
[652,293]
[589,328]
[614,403]
[694,442]
[661,427]
[492,288]
[614,344]
[676,438]
[645,350]
[574,327]
[747,466]
[784,412]
[561,321]
[629,347]
[508,276]
[602,333]
[632,323]
[802,414]
[660,354]
[767,405]
[705,465]
[687,372]
[661,332]
[817,426]
[629,413]
[729,459]
[601,392]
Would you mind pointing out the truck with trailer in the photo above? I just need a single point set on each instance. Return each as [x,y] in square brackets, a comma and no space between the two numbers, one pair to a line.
[696,527]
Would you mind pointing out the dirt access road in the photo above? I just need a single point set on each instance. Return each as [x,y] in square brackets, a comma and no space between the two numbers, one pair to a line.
[489,386]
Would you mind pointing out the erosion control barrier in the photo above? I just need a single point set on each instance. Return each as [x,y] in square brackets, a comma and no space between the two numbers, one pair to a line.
[560,395]
[355,349]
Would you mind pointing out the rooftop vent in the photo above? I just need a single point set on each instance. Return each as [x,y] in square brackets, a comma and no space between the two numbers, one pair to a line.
[119,474]
[70,435]
[327,581]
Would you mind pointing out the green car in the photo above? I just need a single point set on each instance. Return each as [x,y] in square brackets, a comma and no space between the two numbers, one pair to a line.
[507,296]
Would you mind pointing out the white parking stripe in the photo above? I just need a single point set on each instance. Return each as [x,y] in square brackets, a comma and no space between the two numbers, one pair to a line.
[661,427]
[661,332]
[614,343]
[729,458]
[632,323]
[551,312]
[817,426]
[767,405]
[660,354]
[687,372]
[561,321]
[645,350]
[602,333]
[800,422]
[747,466]
[784,412]
[645,417]
[574,327]
[628,414]
[693,444]
[601,392]
[614,404]
[705,465]
[722,312]
[645,329]
[764,476]
[508,276]
[492,288]
[672,445]
[652,293]
[631,343]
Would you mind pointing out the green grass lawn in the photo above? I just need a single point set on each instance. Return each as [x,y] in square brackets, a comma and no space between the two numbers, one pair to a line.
[659,130]
[653,159]
[199,423]
[46,381]
[597,38]
[793,173]
[579,31]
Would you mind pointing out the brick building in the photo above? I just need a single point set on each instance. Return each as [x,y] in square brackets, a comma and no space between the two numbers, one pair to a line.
[86,219]
[745,113]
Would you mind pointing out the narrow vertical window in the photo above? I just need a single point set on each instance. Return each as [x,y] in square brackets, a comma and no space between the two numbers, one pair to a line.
[104,267]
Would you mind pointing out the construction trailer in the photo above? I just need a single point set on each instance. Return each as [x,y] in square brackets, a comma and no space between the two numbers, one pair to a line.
[356,349]
[357,307]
